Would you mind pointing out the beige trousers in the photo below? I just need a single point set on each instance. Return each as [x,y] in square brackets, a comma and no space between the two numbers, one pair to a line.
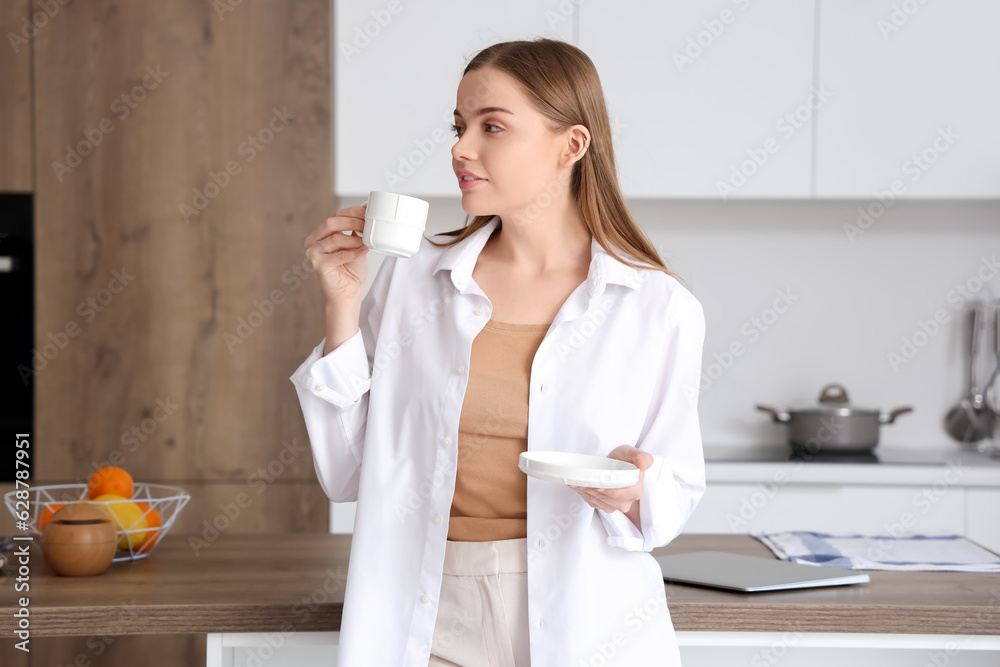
[482,618]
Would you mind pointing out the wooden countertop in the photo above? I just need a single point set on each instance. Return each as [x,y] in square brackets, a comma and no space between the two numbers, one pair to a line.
[261,583]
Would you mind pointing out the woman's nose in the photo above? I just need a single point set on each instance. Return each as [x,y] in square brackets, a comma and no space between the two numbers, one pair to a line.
[463,149]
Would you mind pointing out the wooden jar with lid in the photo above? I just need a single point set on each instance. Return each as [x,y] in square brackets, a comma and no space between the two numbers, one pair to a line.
[79,540]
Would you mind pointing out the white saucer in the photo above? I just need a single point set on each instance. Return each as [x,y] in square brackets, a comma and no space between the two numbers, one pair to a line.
[578,469]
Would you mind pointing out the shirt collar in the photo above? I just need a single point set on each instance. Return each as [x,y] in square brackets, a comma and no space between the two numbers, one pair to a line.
[460,258]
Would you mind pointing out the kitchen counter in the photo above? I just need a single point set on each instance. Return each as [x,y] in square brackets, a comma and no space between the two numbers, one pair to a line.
[885,466]
[266,583]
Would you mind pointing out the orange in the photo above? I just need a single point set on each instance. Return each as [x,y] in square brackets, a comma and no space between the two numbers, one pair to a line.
[127,516]
[47,512]
[154,522]
[110,479]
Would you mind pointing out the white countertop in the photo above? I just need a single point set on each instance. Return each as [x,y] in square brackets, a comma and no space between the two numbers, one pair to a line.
[885,466]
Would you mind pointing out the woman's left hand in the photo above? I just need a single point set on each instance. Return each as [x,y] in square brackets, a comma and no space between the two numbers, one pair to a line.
[610,500]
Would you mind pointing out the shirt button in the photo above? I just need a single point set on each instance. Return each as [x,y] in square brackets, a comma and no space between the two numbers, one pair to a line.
[480,311]
[438,519]
[320,387]
[461,369]
[446,441]
[426,598]
[609,540]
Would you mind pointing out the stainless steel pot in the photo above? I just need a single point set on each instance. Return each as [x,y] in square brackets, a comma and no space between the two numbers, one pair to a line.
[832,424]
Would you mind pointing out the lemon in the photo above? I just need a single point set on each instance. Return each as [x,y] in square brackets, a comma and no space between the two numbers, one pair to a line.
[126,516]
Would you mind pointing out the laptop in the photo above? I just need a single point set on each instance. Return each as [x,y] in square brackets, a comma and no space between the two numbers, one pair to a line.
[750,574]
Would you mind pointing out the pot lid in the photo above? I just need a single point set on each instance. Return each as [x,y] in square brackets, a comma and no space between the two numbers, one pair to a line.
[832,399]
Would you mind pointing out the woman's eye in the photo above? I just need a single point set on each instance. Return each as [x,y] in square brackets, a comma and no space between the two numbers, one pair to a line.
[458,130]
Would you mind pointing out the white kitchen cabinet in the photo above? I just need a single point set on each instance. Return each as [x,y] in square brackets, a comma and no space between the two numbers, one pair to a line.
[982,511]
[835,509]
[729,99]
[706,99]
[397,66]
[914,100]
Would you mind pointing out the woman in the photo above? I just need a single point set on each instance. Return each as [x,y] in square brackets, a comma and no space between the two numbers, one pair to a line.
[547,323]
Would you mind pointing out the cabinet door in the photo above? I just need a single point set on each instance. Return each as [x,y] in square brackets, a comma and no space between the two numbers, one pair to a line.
[847,510]
[707,99]
[983,517]
[397,66]
[914,99]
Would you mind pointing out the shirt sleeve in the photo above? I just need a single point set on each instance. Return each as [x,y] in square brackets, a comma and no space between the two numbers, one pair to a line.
[333,392]
[675,482]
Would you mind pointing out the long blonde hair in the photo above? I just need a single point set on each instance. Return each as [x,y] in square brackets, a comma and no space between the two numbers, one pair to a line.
[562,82]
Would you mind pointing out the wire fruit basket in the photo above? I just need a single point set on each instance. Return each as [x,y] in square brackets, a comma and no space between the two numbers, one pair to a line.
[139,537]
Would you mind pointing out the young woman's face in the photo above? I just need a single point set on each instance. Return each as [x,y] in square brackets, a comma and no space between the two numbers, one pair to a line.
[510,148]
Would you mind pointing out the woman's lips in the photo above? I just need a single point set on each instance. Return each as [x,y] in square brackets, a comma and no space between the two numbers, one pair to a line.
[465,185]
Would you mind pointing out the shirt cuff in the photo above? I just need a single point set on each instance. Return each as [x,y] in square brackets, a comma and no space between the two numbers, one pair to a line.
[656,507]
[621,531]
[341,377]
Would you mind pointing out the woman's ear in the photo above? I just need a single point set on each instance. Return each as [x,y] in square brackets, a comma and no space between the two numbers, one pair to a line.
[578,141]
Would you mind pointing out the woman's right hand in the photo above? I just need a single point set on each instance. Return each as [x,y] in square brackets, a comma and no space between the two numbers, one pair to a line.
[340,260]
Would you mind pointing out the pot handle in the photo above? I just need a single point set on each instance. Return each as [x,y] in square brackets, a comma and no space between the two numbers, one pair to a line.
[891,417]
[833,393]
[780,417]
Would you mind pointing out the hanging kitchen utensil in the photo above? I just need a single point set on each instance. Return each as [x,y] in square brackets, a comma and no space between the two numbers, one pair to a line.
[968,422]
[996,369]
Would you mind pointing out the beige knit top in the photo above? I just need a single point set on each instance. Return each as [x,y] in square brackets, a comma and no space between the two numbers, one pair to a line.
[491,492]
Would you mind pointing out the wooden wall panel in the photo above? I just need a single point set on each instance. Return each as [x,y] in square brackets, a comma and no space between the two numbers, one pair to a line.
[141,301]
[172,304]
[15,101]
[159,293]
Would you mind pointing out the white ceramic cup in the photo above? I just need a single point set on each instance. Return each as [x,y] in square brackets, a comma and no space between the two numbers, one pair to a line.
[394,223]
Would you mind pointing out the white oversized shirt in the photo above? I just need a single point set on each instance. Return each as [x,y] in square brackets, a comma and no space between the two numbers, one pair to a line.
[620,364]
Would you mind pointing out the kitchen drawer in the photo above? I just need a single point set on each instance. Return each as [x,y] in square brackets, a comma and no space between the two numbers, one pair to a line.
[740,508]
[982,517]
